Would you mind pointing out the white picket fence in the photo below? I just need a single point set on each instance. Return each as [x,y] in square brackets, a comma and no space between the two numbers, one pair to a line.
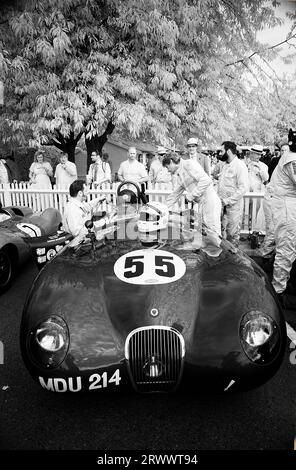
[22,194]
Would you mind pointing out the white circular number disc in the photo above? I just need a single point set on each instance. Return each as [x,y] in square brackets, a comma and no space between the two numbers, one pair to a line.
[51,253]
[149,267]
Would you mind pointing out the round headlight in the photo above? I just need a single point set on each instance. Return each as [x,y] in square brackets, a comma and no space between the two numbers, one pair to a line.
[50,336]
[257,331]
[260,337]
[49,342]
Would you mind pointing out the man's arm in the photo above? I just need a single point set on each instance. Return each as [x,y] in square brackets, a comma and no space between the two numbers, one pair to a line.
[203,180]
[143,174]
[143,179]
[151,173]
[73,221]
[120,173]
[107,172]
[71,169]
[207,164]
[89,176]
[264,173]
[216,171]
[291,171]
[94,203]
[48,169]
[175,195]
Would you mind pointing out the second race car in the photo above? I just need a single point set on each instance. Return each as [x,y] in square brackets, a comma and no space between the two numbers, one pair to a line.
[17,223]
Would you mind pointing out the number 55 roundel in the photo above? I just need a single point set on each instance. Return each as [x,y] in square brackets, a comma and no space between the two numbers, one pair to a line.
[149,267]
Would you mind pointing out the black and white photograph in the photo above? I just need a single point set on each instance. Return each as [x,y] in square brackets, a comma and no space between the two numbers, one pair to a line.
[147,232]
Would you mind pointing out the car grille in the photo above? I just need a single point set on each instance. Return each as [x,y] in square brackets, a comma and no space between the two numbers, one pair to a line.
[155,357]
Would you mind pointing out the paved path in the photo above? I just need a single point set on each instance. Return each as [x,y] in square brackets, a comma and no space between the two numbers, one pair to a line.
[31,418]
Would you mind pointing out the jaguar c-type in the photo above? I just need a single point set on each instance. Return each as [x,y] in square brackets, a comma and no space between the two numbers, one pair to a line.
[141,304]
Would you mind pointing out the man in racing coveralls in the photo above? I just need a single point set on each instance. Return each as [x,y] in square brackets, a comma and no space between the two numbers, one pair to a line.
[190,177]
[232,185]
[268,246]
[284,218]
[77,211]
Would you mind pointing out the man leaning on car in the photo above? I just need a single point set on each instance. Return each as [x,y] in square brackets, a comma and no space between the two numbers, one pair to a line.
[77,211]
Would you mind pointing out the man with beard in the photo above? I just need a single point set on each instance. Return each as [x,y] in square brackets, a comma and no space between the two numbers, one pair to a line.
[232,185]
[99,171]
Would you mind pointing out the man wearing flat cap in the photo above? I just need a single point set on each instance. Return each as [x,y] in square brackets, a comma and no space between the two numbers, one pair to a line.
[194,154]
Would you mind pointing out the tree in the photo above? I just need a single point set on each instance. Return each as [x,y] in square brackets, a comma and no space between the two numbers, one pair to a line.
[153,68]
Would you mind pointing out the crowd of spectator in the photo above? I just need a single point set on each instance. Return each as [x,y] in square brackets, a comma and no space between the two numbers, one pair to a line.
[214,181]
[216,184]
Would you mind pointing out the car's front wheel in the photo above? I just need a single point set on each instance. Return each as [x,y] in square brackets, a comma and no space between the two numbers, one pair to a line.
[6,270]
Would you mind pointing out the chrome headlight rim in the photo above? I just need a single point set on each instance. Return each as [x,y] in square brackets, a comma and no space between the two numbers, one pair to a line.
[60,330]
[268,338]
[50,358]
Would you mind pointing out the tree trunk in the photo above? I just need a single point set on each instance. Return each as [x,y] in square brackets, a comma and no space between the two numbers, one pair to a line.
[67,144]
[97,142]
[70,149]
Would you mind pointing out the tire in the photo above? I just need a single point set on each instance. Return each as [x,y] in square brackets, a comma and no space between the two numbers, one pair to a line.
[6,270]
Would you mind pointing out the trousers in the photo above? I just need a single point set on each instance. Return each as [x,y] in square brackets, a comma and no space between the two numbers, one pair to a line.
[284,216]
[231,222]
[268,245]
[209,210]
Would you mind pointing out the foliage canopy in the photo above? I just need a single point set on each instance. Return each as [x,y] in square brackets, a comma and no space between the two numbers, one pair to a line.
[141,68]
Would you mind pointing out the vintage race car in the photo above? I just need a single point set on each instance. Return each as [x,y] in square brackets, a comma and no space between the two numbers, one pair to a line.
[17,223]
[139,305]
